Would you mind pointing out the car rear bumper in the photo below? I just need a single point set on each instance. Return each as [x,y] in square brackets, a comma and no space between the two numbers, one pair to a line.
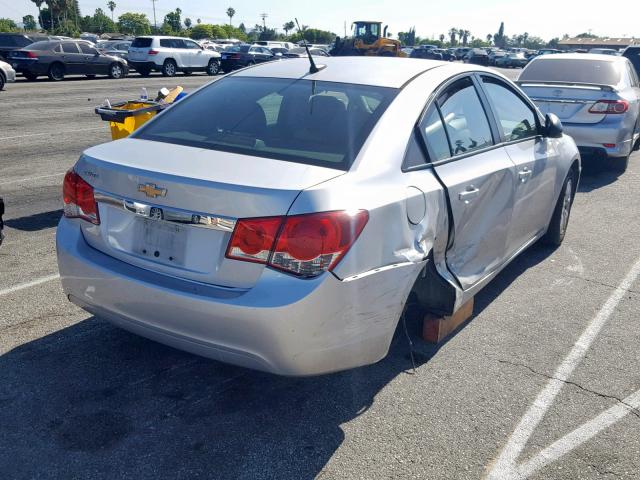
[283,324]
[601,135]
[144,65]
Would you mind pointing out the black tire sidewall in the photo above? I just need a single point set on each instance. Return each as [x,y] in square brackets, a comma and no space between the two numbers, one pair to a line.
[164,68]
[52,70]
[2,82]
[554,236]
[217,68]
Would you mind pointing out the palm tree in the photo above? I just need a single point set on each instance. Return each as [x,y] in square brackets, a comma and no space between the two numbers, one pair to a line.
[465,36]
[287,27]
[112,6]
[39,5]
[452,35]
[460,34]
[442,37]
[230,13]
[489,37]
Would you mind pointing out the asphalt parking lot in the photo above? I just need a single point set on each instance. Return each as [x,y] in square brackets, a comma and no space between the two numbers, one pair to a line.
[543,383]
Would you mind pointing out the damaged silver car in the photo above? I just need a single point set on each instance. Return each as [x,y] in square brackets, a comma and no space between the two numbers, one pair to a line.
[279,218]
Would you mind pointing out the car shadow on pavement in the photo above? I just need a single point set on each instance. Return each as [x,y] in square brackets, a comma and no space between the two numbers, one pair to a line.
[93,401]
[38,221]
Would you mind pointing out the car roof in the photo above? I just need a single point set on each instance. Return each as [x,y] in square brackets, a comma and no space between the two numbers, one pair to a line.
[393,72]
[580,56]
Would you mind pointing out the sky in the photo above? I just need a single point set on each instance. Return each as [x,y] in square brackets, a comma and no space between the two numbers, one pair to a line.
[543,18]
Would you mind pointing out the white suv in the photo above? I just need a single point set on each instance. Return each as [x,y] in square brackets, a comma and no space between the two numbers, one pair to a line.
[170,55]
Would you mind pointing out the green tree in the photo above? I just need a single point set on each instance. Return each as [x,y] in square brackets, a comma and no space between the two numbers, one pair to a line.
[442,37]
[553,43]
[187,22]
[314,35]
[452,36]
[202,30]
[287,27]
[99,22]
[243,29]
[586,35]
[29,22]
[198,21]
[465,37]
[489,37]
[230,13]
[134,23]
[173,21]
[8,25]
[111,5]
[39,5]
[499,40]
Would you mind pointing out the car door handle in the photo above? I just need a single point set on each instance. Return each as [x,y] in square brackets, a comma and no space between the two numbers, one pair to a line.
[469,194]
[524,174]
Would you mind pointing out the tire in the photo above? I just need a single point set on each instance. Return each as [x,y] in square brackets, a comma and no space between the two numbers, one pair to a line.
[169,68]
[560,219]
[30,76]
[213,68]
[2,82]
[116,71]
[56,72]
[619,164]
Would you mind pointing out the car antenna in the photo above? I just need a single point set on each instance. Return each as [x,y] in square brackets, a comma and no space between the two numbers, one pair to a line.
[314,68]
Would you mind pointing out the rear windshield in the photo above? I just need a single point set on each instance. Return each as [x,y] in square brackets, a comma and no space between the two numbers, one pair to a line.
[241,48]
[46,45]
[572,70]
[301,121]
[142,43]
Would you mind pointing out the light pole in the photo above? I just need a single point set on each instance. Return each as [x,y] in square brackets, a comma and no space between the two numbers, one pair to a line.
[155,23]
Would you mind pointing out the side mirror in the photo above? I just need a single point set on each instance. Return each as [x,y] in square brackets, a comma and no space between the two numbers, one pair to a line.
[552,126]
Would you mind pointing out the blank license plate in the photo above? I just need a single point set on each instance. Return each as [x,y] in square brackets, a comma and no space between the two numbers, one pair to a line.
[161,241]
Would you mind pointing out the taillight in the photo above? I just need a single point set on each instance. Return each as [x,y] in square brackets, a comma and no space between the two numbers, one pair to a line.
[235,56]
[305,245]
[609,107]
[78,198]
[253,239]
[31,54]
[153,52]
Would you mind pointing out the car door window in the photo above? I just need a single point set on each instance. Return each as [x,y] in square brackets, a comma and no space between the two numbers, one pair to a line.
[69,47]
[86,49]
[464,118]
[435,139]
[254,50]
[191,45]
[516,119]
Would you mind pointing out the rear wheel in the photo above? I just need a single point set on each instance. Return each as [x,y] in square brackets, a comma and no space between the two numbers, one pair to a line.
[213,67]
[30,76]
[56,72]
[169,68]
[560,219]
[116,71]
[2,81]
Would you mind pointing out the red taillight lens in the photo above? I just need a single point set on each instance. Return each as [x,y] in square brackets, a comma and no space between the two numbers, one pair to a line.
[253,239]
[609,107]
[235,56]
[153,52]
[306,245]
[78,199]
[31,54]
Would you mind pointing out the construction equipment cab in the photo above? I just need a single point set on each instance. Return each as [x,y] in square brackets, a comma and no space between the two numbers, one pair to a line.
[369,39]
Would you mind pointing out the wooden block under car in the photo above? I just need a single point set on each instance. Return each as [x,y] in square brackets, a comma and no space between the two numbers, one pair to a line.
[435,329]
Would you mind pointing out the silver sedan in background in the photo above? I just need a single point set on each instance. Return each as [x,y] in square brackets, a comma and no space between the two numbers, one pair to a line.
[597,98]
[280,218]
[7,74]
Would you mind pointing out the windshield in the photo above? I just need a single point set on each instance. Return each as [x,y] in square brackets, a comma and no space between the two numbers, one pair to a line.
[572,70]
[302,121]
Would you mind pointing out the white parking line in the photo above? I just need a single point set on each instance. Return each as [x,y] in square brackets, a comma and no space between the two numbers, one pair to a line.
[28,179]
[32,283]
[50,133]
[506,466]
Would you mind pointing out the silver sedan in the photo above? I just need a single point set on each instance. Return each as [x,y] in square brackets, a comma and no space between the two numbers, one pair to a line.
[279,218]
[7,74]
[597,97]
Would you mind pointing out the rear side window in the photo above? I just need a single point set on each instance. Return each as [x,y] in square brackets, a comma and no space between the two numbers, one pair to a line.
[464,118]
[516,119]
[87,49]
[435,137]
[572,70]
[318,123]
[69,47]
[46,45]
[142,42]
[172,43]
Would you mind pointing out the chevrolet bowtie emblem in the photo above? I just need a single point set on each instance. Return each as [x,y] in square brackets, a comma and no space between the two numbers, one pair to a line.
[152,190]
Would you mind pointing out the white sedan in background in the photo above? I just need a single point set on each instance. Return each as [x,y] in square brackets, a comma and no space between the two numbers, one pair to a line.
[7,74]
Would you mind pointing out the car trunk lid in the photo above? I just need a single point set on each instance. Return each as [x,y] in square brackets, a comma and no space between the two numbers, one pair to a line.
[172,208]
[571,102]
